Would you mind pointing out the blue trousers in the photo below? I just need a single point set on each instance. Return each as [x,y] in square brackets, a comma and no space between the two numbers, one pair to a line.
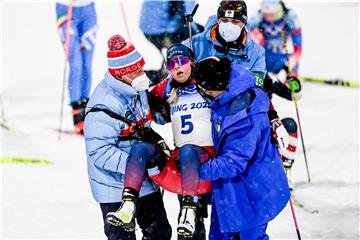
[141,153]
[81,50]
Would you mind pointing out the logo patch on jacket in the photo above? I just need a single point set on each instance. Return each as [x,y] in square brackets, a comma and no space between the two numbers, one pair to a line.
[218,124]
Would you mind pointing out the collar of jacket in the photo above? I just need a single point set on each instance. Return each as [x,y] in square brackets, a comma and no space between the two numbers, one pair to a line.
[119,86]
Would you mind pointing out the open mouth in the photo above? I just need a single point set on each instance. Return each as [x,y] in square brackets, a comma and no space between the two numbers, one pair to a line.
[179,73]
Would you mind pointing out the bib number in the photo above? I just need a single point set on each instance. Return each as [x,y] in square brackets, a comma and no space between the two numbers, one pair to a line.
[186,125]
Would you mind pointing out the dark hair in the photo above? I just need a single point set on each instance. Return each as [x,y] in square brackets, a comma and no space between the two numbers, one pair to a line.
[213,73]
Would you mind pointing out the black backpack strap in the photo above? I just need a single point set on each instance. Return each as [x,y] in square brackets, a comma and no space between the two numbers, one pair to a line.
[112,115]
[118,117]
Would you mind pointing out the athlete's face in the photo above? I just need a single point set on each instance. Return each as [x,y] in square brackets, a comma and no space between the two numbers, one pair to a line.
[179,68]
[270,17]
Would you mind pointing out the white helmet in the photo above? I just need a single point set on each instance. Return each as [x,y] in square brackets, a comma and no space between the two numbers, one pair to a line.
[270,6]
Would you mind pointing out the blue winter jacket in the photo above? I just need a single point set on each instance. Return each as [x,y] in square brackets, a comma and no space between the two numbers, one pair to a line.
[248,179]
[106,155]
[205,46]
[156,16]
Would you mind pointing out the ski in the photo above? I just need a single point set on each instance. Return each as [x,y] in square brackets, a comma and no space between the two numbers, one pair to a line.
[336,82]
[24,160]
[6,126]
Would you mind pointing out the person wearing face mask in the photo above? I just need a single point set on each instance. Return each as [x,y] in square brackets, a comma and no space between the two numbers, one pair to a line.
[226,35]
[248,180]
[117,127]
[268,27]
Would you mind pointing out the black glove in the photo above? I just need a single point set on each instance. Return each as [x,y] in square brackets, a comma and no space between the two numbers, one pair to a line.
[147,134]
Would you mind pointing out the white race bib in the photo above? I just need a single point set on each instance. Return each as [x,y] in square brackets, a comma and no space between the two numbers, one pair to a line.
[190,118]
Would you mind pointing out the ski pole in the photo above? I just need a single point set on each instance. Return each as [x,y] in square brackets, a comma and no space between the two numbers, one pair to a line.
[302,138]
[296,106]
[294,218]
[123,13]
[291,204]
[336,82]
[189,18]
[67,44]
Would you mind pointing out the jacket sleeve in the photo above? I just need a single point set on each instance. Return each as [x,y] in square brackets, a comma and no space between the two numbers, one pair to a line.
[101,137]
[160,109]
[259,67]
[236,152]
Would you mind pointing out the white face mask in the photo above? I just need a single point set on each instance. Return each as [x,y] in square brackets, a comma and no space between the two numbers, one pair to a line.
[229,32]
[141,83]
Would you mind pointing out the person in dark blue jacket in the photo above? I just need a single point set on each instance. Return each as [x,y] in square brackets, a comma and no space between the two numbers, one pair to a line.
[249,183]
[226,35]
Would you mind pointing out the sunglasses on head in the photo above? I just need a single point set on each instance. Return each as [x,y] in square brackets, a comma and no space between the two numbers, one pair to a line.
[180,60]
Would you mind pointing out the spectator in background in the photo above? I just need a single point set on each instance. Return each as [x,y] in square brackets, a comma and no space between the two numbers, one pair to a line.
[162,24]
[276,28]
[82,43]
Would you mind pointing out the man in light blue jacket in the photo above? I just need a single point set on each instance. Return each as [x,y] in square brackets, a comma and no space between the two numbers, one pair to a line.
[118,101]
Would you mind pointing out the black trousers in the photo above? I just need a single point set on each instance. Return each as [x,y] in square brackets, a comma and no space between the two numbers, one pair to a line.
[150,216]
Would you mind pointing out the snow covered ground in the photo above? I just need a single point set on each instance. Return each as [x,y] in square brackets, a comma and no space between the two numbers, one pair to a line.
[54,201]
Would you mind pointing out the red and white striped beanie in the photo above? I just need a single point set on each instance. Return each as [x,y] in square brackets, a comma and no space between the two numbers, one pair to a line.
[123,57]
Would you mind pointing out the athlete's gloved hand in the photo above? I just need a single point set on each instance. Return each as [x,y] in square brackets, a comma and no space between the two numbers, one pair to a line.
[294,85]
[279,133]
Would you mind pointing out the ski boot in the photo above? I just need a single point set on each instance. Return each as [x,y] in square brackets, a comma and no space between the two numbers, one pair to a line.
[125,215]
[187,220]
[78,113]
